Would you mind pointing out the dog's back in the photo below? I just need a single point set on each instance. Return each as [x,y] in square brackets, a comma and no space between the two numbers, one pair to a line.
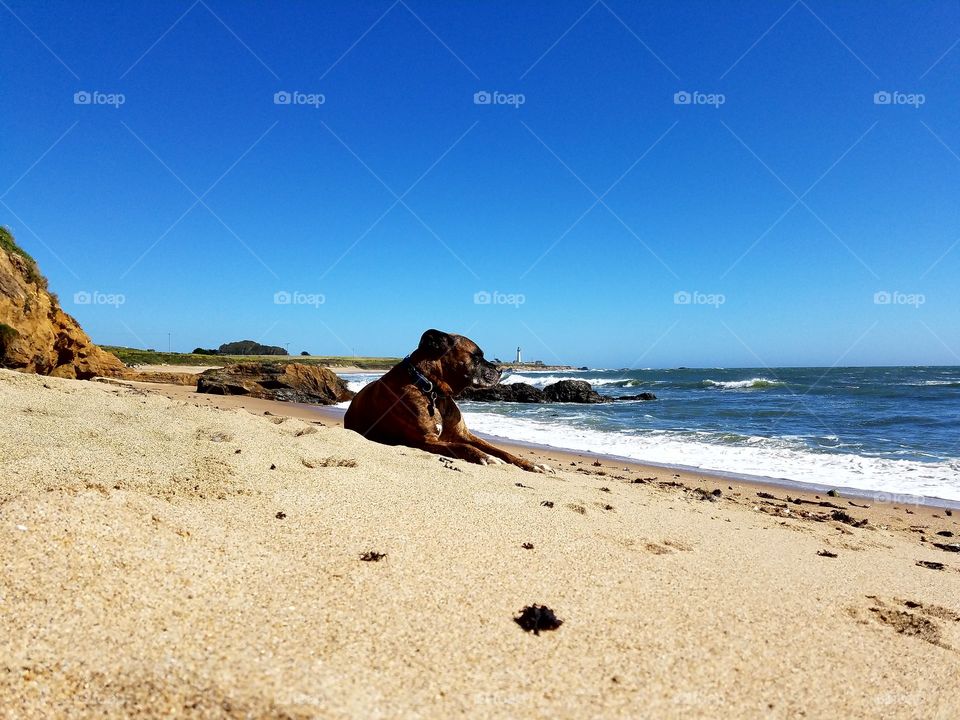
[368,411]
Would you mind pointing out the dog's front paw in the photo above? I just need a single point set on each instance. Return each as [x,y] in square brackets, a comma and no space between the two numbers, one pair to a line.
[491,460]
[545,469]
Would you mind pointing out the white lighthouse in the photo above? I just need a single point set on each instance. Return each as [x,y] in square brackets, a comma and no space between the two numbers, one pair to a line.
[519,357]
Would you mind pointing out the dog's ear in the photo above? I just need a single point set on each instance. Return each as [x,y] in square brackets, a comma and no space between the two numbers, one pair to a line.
[435,343]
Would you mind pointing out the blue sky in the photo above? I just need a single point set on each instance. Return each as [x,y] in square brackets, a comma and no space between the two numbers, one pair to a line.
[805,219]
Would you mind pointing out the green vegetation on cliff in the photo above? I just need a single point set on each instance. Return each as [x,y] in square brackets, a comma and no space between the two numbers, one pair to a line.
[8,244]
[135,356]
[250,347]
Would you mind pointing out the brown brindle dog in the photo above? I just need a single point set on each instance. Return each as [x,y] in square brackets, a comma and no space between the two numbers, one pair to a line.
[413,405]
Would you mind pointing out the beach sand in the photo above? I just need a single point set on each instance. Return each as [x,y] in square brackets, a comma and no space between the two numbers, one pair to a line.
[190,556]
[178,369]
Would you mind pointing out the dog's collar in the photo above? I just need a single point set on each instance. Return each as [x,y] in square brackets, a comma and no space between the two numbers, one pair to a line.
[423,383]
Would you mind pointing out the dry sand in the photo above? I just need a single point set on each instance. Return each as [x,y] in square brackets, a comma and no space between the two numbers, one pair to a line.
[179,369]
[154,564]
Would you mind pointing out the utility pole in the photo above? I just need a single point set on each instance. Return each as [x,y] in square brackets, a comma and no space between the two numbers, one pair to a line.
[168,343]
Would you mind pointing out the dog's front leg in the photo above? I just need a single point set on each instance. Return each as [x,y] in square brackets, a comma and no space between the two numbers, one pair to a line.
[459,450]
[469,438]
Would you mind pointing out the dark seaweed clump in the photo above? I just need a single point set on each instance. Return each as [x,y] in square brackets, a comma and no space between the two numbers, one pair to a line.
[535,618]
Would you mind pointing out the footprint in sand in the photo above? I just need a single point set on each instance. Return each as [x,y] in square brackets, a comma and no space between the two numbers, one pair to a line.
[332,461]
[657,549]
[217,436]
[667,546]
[912,618]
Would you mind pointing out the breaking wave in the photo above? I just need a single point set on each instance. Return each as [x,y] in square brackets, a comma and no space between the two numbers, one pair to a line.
[760,383]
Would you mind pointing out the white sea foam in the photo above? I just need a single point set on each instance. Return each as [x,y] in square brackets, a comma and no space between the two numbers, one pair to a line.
[544,380]
[358,381]
[758,383]
[541,381]
[761,457]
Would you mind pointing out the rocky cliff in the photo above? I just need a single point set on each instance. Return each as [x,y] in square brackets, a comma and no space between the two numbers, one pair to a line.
[292,382]
[36,335]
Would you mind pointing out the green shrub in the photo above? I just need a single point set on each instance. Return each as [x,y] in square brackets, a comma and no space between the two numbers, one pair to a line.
[250,347]
[10,245]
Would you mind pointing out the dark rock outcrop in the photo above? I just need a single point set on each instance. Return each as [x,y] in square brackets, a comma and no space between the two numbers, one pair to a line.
[292,382]
[572,391]
[576,391]
[36,335]
[638,396]
[515,392]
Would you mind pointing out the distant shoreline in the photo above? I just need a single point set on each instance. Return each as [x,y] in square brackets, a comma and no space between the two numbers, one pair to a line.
[137,358]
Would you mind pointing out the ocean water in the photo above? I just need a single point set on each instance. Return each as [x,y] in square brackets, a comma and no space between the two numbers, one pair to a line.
[888,429]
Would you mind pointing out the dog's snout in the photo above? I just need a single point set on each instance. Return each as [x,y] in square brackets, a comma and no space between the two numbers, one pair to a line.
[487,373]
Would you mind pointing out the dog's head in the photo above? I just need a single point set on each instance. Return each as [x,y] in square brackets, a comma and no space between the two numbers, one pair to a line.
[456,361]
